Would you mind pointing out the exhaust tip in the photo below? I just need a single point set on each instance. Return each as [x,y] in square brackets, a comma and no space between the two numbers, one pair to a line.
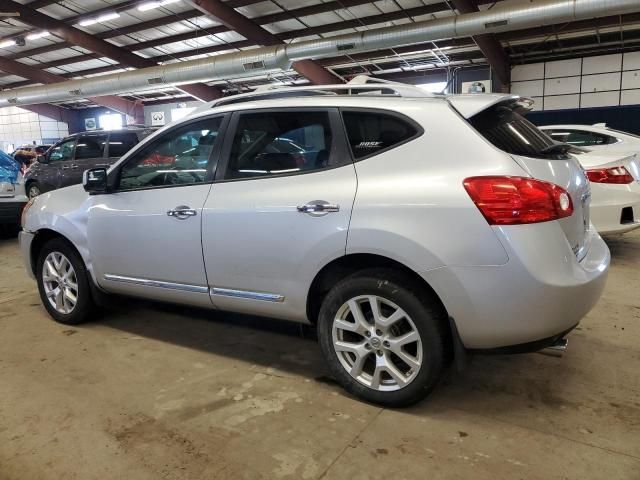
[557,349]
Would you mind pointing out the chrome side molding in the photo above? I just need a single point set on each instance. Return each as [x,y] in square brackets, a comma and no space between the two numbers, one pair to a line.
[157,283]
[229,292]
[225,292]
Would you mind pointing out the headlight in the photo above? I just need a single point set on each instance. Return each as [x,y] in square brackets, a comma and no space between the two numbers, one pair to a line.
[7,189]
[26,208]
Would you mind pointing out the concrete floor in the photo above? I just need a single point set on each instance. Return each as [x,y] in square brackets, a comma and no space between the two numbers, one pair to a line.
[156,392]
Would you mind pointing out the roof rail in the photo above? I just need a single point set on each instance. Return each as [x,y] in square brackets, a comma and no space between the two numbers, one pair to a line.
[360,85]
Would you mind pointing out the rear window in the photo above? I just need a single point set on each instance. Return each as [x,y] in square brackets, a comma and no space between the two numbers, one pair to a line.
[121,143]
[373,132]
[580,138]
[512,133]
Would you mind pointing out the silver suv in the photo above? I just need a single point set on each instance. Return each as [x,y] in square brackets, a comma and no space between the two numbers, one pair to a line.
[409,227]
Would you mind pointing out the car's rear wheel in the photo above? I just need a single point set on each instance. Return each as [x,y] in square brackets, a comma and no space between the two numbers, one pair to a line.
[382,337]
[63,283]
[33,190]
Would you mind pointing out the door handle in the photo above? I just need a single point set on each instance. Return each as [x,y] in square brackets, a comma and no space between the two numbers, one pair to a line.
[318,208]
[74,166]
[182,212]
[65,167]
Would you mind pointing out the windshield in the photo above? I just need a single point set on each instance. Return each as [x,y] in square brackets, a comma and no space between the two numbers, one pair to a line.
[512,133]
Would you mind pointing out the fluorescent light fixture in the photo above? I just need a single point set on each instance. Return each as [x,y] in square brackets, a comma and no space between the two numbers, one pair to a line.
[143,7]
[102,18]
[7,43]
[87,22]
[108,16]
[37,35]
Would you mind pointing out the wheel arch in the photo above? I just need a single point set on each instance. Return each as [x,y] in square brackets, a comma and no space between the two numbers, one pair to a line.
[346,265]
[40,238]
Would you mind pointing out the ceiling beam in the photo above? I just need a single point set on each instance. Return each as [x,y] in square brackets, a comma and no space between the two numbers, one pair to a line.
[489,46]
[253,32]
[82,39]
[336,26]
[132,109]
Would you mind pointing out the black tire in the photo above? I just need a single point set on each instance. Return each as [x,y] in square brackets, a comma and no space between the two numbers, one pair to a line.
[33,185]
[426,314]
[85,305]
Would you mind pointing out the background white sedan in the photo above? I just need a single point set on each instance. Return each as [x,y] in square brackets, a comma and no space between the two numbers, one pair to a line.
[615,189]
[596,137]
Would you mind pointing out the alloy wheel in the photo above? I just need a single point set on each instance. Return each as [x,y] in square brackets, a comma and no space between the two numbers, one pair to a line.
[377,343]
[60,283]
[34,191]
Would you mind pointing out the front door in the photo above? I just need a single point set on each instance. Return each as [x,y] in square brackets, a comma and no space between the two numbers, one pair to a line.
[279,210]
[145,237]
[59,160]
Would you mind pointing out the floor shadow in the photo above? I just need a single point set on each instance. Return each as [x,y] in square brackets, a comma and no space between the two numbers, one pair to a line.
[286,346]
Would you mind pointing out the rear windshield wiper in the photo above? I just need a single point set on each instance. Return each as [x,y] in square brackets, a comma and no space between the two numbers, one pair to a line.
[557,148]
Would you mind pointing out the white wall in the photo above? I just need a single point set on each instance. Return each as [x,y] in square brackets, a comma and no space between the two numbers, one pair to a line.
[19,127]
[599,81]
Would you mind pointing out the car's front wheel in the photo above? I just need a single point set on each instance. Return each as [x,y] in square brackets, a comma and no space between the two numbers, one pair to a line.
[382,337]
[63,283]
[33,190]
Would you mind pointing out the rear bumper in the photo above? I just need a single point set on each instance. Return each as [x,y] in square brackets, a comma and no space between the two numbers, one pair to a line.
[540,293]
[615,208]
[10,212]
[25,239]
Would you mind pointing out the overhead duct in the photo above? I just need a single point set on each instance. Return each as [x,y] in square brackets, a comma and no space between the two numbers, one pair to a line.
[505,16]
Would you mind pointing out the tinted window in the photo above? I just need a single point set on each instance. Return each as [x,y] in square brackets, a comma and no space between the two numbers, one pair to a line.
[512,133]
[179,157]
[272,143]
[62,151]
[121,143]
[90,146]
[372,132]
[580,138]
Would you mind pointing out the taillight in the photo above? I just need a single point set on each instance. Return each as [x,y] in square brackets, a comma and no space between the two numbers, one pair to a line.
[618,175]
[518,200]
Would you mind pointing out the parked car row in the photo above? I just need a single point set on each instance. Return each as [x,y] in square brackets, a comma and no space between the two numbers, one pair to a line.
[409,228]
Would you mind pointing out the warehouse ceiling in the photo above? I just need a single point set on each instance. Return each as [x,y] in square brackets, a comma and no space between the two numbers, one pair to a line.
[48,37]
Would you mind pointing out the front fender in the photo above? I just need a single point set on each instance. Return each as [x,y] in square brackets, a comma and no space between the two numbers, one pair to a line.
[64,212]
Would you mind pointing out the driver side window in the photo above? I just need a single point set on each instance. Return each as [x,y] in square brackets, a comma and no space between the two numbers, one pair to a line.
[179,157]
[62,151]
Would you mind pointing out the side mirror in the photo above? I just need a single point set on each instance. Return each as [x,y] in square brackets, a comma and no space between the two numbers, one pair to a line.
[42,159]
[95,180]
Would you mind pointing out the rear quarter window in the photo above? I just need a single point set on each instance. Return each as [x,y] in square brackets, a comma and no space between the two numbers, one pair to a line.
[372,132]
[512,133]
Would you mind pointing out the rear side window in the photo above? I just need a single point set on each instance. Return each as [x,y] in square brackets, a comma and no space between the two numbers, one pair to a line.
[281,143]
[121,143]
[90,146]
[512,133]
[373,132]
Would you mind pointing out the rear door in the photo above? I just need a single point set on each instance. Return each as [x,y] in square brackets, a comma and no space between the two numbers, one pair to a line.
[274,218]
[89,153]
